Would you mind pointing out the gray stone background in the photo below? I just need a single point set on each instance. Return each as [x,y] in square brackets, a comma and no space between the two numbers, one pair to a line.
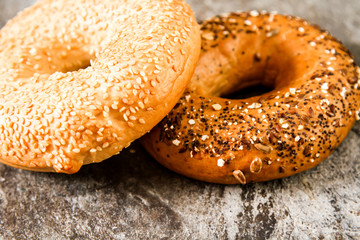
[130,196]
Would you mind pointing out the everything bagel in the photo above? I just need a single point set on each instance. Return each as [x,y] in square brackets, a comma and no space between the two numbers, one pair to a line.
[80,80]
[293,128]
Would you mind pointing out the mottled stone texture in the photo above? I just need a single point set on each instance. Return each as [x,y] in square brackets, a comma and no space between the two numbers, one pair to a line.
[130,196]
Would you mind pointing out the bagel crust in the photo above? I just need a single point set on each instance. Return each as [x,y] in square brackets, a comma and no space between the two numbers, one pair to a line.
[80,80]
[314,104]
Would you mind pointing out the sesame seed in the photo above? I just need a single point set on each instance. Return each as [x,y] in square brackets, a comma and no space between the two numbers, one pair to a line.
[254,105]
[254,13]
[176,142]
[133,110]
[220,162]
[191,121]
[204,137]
[125,117]
[153,83]
[208,36]
[343,93]
[76,150]
[216,107]
[325,86]
[247,22]
[272,33]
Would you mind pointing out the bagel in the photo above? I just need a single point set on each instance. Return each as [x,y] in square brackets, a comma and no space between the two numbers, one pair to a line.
[313,104]
[80,80]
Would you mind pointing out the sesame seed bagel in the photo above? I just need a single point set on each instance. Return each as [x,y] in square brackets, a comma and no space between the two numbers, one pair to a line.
[80,80]
[290,129]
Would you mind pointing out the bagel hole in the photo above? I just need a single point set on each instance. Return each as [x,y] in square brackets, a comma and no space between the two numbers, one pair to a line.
[77,66]
[251,91]
[62,59]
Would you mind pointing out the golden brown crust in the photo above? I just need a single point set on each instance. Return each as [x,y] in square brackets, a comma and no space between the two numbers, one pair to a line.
[138,57]
[293,128]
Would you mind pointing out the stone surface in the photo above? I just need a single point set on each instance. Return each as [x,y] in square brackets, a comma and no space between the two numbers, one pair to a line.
[130,196]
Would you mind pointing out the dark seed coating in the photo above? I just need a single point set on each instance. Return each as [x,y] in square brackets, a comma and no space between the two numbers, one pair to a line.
[288,130]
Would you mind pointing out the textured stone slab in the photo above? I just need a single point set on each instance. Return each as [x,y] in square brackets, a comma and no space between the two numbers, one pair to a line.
[130,196]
